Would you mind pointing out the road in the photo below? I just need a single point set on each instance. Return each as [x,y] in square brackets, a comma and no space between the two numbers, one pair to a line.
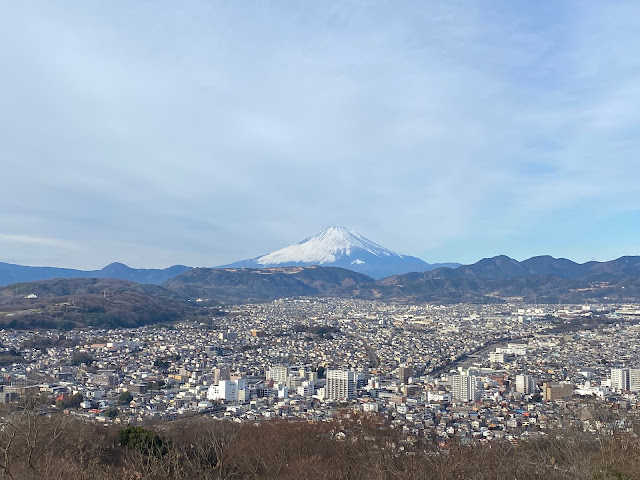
[371,353]
[467,359]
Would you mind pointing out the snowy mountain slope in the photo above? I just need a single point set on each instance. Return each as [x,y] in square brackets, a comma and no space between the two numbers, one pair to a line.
[328,246]
[340,247]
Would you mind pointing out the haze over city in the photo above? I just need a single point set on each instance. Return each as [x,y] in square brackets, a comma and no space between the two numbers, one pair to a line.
[203,133]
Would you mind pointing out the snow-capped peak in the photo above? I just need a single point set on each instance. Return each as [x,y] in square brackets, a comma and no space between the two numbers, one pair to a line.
[342,248]
[325,247]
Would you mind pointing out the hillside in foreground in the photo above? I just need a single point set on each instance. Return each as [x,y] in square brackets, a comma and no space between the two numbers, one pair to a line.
[351,447]
[81,302]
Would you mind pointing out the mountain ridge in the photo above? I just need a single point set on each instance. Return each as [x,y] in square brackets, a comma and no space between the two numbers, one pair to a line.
[240,285]
[503,267]
[13,273]
[198,293]
[262,284]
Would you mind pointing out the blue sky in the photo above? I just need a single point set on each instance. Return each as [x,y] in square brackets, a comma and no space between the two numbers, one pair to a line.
[204,132]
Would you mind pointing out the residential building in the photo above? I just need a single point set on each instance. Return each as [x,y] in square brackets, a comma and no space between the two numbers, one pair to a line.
[465,388]
[341,385]
[620,379]
[525,384]
[557,391]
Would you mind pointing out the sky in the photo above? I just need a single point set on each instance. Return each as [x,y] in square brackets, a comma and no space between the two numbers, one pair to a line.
[156,132]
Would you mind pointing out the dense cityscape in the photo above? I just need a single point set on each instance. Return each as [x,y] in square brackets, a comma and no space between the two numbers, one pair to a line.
[474,372]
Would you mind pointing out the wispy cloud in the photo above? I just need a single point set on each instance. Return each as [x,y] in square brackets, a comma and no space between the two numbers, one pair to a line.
[36,240]
[216,132]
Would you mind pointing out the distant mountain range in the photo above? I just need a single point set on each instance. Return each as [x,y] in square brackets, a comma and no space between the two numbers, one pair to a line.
[196,294]
[333,247]
[503,268]
[341,247]
[240,285]
[541,279]
[336,262]
[10,273]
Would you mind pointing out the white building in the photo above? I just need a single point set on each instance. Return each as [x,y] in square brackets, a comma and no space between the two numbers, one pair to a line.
[278,374]
[634,379]
[306,389]
[513,349]
[227,390]
[370,407]
[620,379]
[588,390]
[465,388]
[525,384]
[283,391]
[341,385]
[438,396]
[495,357]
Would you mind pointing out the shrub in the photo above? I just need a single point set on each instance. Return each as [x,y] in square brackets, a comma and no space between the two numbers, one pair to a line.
[144,441]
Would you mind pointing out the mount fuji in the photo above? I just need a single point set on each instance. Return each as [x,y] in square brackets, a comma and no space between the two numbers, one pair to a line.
[341,247]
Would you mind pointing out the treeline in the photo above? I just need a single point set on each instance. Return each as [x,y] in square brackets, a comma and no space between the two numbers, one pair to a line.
[9,357]
[355,447]
[41,342]
[322,331]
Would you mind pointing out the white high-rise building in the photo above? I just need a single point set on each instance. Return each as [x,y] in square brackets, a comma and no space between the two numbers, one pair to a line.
[465,388]
[341,385]
[620,378]
[634,379]
[525,384]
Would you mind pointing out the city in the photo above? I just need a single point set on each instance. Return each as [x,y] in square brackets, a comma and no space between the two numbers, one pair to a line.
[474,372]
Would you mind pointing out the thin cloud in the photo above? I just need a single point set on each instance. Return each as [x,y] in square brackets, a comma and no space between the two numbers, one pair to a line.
[215,132]
[33,240]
